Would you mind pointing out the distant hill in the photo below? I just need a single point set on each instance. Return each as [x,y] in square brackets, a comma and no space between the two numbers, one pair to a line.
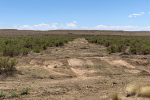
[15,32]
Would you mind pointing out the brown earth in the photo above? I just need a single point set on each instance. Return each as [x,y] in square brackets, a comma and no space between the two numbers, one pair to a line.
[15,32]
[76,71]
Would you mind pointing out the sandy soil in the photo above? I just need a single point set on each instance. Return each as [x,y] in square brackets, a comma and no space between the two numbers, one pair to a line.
[76,71]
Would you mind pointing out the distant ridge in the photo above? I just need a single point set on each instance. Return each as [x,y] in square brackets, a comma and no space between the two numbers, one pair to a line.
[15,32]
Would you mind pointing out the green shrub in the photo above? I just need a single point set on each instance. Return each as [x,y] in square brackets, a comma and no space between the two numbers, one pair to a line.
[44,46]
[133,49]
[7,66]
[2,95]
[26,51]
[37,49]
[143,72]
[23,92]
[111,49]
[13,94]
[11,50]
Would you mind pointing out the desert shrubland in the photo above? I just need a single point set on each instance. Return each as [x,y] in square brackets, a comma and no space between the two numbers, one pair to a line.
[14,46]
[138,45]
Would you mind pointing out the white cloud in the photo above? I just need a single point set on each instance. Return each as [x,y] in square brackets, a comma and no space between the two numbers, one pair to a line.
[25,27]
[70,25]
[39,27]
[54,26]
[130,16]
[2,23]
[142,13]
[15,27]
[136,14]
[44,26]
[75,21]
[126,28]
[149,12]
[62,26]
[100,26]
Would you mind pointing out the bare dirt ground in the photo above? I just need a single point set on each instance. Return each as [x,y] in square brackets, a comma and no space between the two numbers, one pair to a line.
[76,71]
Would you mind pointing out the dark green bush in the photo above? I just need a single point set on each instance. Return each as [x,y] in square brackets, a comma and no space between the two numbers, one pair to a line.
[133,49]
[26,51]
[37,49]
[111,49]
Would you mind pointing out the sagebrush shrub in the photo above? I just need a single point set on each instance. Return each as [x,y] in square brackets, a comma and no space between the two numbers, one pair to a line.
[7,66]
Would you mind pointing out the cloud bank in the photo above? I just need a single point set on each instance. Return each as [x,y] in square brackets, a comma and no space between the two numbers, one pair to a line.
[57,26]
[44,26]
[125,28]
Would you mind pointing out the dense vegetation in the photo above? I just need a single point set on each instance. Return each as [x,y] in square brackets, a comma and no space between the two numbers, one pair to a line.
[14,46]
[136,45]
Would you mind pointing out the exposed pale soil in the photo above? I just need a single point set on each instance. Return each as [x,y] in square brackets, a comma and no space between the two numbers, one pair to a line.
[76,71]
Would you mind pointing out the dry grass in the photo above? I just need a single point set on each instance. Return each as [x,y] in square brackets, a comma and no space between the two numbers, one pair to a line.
[103,98]
[133,89]
[139,90]
[144,92]
[115,97]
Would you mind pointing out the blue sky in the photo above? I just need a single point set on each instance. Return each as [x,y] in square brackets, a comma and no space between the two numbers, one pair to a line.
[128,15]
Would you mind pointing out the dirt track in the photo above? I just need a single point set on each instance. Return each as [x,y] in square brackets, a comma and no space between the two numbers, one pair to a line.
[76,71]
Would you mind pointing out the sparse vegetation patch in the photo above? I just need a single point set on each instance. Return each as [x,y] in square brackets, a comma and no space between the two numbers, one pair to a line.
[2,95]
[23,92]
